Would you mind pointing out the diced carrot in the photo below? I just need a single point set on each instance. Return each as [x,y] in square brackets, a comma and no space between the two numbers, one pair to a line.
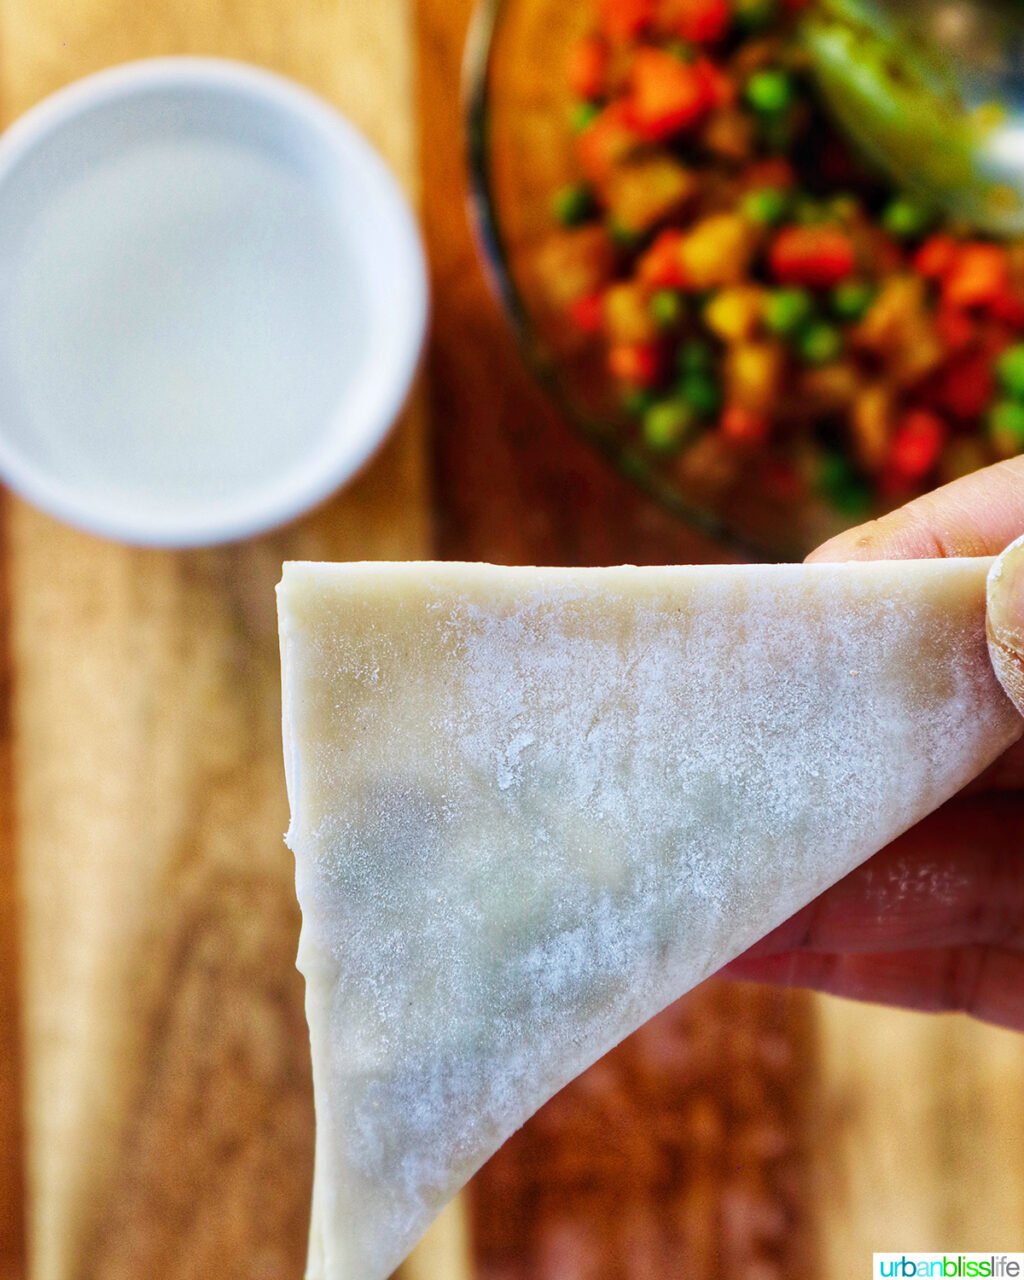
[979,274]
[743,427]
[721,87]
[635,363]
[622,20]
[607,142]
[816,256]
[704,21]
[935,257]
[731,133]
[661,266]
[588,66]
[666,95]
[586,313]
[627,315]
[916,444]
[956,328]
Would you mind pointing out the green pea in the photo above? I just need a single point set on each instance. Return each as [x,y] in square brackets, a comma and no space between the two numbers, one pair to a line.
[1006,425]
[767,205]
[573,204]
[1010,370]
[770,92]
[583,115]
[787,310]
[842,488]
[851,499]
[667,423]
[820,343]
[667,307]
[695,356]
[907,218]
[700,391]
[851,299]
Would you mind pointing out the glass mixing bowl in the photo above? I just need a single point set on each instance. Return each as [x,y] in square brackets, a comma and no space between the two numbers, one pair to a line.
[520,146]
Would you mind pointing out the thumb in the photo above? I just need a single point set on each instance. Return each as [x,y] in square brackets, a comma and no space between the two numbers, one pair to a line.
[1005,621]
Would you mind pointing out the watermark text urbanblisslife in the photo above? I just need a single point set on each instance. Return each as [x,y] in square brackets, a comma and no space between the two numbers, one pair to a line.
[954,1266]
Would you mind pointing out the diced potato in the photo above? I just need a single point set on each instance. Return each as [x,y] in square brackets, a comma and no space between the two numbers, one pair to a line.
[645,192]
[900,330]
[899,301]
[717,251]
[731,134]
[734,314]
[753,375]
[575,263]
[828,389]
[871,424]
[627,314]
[920,353]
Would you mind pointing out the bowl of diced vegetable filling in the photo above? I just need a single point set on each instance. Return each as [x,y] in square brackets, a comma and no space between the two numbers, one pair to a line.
[750,319]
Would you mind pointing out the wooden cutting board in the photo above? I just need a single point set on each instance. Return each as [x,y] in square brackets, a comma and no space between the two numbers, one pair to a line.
[167,1117]
[166,1129]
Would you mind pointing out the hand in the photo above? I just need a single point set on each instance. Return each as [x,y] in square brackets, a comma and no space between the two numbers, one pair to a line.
[936,920]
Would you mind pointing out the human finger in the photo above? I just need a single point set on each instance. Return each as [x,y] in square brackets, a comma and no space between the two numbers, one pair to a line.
[986,982]
[955,879]
[1005,621]
[977,515]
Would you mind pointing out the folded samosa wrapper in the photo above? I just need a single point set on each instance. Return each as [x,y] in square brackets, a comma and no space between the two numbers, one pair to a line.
[532,807]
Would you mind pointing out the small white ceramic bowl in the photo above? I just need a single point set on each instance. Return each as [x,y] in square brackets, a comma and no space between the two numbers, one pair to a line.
[212,302]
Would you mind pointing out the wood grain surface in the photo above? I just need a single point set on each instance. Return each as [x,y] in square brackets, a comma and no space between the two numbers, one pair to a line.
[12,1197]
[162,1056]
[167,1103]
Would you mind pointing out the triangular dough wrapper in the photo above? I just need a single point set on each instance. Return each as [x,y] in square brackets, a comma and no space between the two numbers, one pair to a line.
[532,807]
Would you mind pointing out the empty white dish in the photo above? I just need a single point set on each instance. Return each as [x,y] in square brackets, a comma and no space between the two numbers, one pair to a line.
[212,302]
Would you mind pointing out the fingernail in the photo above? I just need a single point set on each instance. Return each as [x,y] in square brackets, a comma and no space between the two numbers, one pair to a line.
[1005,621]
